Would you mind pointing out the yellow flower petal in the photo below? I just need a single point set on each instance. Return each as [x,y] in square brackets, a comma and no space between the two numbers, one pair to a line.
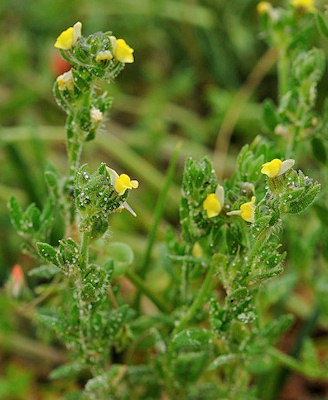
[67,39]
[212,205]
[248,210]
[272,168]
[123,52]
[263,7]
[123,182]
[306,5]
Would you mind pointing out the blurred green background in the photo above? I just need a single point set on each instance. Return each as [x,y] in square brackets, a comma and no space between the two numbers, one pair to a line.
[200,74]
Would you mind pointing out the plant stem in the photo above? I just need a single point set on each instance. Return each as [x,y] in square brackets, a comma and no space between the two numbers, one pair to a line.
[84,250]
[199,300]
[140,284]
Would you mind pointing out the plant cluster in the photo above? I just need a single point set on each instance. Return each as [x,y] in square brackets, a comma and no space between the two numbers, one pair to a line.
[212,335]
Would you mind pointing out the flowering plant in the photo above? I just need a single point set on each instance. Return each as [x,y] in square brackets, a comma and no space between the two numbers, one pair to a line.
[208,335]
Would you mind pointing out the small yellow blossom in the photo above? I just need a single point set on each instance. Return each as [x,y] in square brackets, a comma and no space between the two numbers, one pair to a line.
[121,50]
[104,55]
[306,5]
[123,182]
[68,38]
[214,202]
[212,205]
[96,115]
[65,81]
[246,211]
[277,167]
[114,177]
[263,7]
[197,251]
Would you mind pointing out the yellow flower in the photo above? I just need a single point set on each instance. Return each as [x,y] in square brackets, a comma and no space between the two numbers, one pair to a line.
[114,177]
[263,7]
[306,5]
[65,81]
[68,38]
[121,50]
[197,251]
[104,55]
[277,167]
[246,211]
[123,182]
[213,203]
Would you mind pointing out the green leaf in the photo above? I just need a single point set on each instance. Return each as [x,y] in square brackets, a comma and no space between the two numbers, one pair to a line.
[224,359]
[32,218]
[44,271]
[277,327]
[116,320]
[310,65]
[66,370]
[16,213]
[322,24]
[299,205]
[192,339]
[68,252]
[47,253]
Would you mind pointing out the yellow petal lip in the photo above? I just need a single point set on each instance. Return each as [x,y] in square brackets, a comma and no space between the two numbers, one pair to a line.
[68,38]
[277,167]
[248,210]
[212,205]
[263,7]
[122,51]
[272,168]
[123,182]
